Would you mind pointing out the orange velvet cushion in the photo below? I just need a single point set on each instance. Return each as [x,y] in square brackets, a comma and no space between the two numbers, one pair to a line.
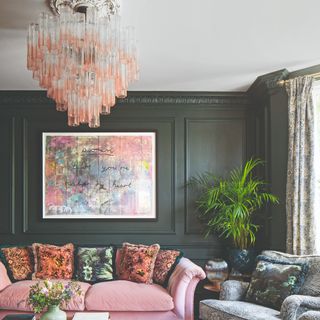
[53,262]
[137,262]
[19,262]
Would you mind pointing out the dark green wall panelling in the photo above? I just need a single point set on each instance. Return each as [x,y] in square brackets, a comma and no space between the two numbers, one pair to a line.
[33,223]
[271,102]
[195,132]
[7,194]
[215,145]
[279,159]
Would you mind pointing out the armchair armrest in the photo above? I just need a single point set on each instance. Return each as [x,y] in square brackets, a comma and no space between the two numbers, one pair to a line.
[233,290]
[310,315]
[182,285]
[4,279]
[294,306]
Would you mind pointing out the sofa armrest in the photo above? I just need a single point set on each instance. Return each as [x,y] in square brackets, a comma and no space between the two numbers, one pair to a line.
[4,279]
[182,285]
[294,306]
[233,290]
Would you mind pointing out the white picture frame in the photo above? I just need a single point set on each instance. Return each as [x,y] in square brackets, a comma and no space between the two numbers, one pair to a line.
[100,175]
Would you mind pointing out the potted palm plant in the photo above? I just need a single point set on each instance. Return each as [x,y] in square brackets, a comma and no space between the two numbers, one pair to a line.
[228,205]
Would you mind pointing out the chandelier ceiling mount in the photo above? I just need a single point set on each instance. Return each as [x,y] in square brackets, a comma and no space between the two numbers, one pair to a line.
[106,8]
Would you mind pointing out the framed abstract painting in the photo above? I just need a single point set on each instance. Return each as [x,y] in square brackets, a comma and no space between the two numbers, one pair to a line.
[99,175]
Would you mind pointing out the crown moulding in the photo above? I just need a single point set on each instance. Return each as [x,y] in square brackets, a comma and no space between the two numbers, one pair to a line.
[240,99]
[106,7]
[38,98]
[268,84]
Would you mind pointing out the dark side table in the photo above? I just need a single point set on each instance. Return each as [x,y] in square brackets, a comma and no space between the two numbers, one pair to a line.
[204,291]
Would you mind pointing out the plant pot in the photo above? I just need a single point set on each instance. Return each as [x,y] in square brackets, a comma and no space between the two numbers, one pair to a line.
[242,261]
[54,313]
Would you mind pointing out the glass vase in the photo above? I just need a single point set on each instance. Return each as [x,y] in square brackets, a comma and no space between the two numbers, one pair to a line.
[217,272]
[54,313]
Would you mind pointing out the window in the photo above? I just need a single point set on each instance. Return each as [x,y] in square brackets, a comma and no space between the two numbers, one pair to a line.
[316,99]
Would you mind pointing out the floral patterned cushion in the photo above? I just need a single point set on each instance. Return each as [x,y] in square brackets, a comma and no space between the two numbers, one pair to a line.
[53,262]
[137,262]
[311,285]
[274,280]
[165,263]
[95,264]
[19,262]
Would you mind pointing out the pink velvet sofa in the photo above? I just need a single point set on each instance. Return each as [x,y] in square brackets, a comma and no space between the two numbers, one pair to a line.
[123,299]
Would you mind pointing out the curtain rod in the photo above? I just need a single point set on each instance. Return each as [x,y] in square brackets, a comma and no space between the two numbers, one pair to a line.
[281,83]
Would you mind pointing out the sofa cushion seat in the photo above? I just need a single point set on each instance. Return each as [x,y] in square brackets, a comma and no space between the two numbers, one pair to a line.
[122,295]
[15,296]
[220,310]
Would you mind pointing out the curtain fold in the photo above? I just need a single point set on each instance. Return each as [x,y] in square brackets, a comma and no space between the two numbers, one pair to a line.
[301,168]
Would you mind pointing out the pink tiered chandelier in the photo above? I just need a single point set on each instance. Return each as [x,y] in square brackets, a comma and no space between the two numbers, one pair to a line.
[83,57]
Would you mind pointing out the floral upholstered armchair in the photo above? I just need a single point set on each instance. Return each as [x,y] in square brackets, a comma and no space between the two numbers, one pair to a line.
[302,306]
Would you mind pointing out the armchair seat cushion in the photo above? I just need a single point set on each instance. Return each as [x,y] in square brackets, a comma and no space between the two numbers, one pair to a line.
[235,310]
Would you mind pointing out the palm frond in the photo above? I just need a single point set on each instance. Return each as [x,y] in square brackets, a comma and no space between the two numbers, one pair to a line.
[229,204]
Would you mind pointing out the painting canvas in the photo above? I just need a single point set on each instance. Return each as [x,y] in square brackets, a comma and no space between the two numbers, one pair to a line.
[99,175]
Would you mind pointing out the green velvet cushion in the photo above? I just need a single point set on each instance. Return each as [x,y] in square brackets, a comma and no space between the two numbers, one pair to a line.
[95,264]
[274,280]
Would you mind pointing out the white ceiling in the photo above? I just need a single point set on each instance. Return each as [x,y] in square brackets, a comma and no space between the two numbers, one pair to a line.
[185,45]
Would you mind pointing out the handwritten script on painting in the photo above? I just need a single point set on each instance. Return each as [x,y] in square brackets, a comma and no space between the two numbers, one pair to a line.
[99,175]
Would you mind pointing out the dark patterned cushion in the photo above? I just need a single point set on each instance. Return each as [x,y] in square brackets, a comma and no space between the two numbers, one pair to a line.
[311,285]
[274,280]
[137,262]
[53,262]
[164,266]
[18,261]
[95,264]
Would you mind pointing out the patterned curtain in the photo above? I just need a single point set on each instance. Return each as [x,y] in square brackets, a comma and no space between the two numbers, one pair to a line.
[301,173]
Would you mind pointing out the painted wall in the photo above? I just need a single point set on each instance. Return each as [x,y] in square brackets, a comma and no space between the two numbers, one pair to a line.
[196,132]
[271,103]
[278,167]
